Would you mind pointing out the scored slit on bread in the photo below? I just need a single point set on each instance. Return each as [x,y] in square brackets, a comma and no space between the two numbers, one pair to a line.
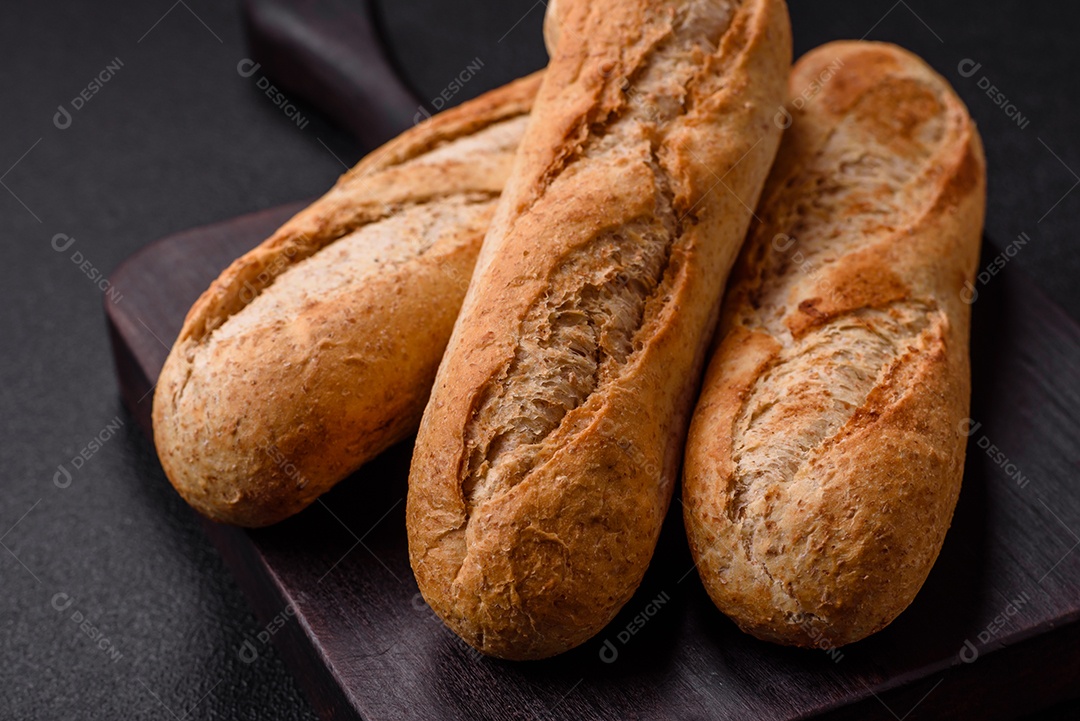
[548,452]
[824,458]
[316,350]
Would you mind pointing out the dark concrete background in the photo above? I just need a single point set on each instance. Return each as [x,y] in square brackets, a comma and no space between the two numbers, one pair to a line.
[178,138]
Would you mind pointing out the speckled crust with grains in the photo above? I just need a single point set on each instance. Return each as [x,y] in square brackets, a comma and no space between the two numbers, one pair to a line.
[315,351]
[548,452]
[825,455]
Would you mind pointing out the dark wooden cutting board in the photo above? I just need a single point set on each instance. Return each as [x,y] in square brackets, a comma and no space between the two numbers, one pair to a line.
[995,631]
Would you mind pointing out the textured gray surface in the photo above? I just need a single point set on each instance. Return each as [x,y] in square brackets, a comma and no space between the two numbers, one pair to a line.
[178,138]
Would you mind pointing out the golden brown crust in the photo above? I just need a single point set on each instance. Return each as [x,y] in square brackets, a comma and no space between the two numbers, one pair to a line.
[316,350]
[547,454]
[825,455]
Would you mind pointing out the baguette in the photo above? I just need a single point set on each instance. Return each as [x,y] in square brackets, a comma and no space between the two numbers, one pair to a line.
[824,458]
[547,454]
[315,351]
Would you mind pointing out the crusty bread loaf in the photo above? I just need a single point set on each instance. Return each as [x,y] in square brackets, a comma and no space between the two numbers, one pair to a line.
[824,458]
[547,454]
[317,350]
